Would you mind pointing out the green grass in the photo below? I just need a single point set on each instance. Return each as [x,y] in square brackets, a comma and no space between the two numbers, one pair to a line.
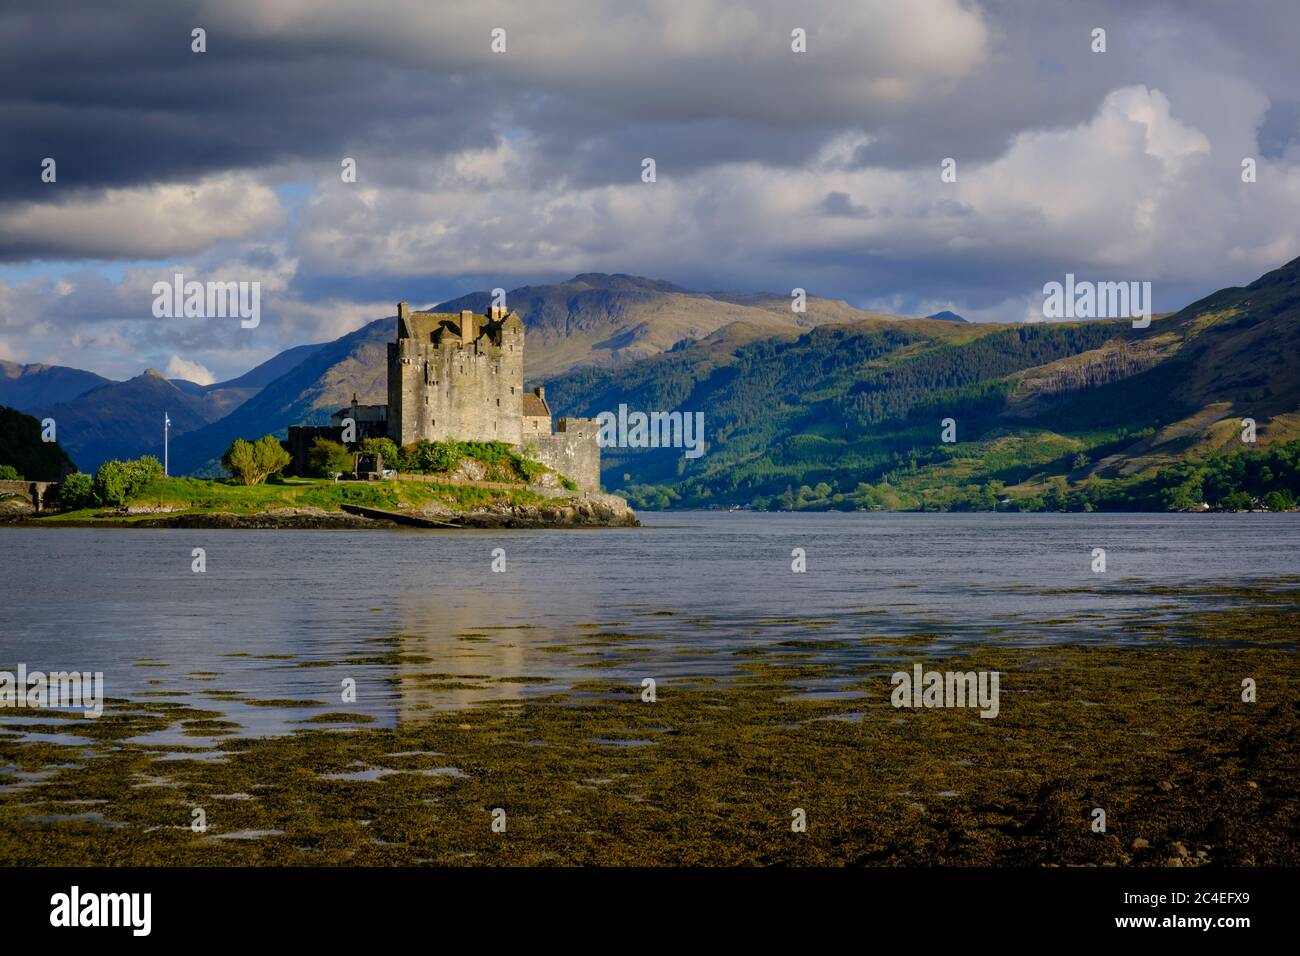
[199,496]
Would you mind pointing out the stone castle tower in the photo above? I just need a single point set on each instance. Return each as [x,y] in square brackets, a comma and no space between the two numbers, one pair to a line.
[462,377]
[456,376]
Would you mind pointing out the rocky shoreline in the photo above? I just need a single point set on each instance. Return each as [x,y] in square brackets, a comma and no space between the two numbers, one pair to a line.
[584,511]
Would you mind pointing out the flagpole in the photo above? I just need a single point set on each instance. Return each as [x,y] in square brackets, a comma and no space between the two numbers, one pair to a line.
[166,425]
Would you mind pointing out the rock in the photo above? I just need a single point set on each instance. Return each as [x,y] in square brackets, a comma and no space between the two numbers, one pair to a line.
[1181,850]
[1141,844]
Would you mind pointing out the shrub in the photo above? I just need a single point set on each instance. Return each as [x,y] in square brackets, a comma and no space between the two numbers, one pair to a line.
[528,469]
[9,473]
[116,482]
[251,463]
[270,456]
[435,456]
[383,447]
[77,491]
[111,484]
[328,456]
[1279,501]
[142,471]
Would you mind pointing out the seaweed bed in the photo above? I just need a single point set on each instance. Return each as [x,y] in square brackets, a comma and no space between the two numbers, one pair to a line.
[712,772]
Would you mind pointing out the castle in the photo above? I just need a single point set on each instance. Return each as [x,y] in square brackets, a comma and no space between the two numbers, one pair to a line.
[461,376]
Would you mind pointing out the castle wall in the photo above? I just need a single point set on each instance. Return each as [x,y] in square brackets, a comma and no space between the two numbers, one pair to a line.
[572,451]
[472,391]
[462,377]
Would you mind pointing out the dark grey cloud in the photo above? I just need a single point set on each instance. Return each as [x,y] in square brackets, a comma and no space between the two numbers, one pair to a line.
[775,169]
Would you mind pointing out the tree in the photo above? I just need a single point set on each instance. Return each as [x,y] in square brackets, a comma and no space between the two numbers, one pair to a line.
[76,491]
[384,447]
[1279,501]
[9,473]
[326,457]
[1237,501]
[238,460]
[251,463]
[270,456]
[23,446]
[117,482]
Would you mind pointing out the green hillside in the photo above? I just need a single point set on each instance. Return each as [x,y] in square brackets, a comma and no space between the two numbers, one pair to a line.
[849,416]
[22,450]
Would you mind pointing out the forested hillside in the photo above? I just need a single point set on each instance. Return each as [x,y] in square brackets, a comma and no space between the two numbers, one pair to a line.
[851,416]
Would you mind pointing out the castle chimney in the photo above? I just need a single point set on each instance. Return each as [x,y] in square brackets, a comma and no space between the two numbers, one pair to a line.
[467,327]
[540,392]
[403,310]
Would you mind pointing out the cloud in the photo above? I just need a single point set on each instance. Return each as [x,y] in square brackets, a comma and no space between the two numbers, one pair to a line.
[775,169]
[150,222]
[178,367]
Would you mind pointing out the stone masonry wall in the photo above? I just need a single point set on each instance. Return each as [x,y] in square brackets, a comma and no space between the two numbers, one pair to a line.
[468,391]
[572,451]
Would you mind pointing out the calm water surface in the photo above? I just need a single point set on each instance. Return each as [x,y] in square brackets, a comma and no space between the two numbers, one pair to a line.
[291,614]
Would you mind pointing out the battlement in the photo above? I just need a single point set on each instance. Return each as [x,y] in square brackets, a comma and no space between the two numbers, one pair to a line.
[496,328]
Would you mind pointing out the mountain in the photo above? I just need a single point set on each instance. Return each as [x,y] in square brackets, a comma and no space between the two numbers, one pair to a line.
[262,375]
[946,316]
[308,393]
[841,412]
[598,319]
[124,419]
[222,398]
[590,319]
[25,387]
[831,402]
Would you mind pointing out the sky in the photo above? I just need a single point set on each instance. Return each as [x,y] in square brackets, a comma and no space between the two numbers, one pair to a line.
[478,168]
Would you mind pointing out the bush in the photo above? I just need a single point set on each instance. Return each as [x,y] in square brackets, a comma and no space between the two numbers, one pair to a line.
[117,482]
[77,491]
[435,456]
[111,485]
[9,473]
[1279,501]
[270,456]
[142,471]
[385,448]
[528,469]
[251,463]
[328,456]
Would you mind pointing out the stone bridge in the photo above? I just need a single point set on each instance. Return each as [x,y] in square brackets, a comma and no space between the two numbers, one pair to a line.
[39,493]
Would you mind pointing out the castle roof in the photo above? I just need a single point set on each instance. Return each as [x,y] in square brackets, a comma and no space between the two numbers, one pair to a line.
[535,406]
[425,325]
